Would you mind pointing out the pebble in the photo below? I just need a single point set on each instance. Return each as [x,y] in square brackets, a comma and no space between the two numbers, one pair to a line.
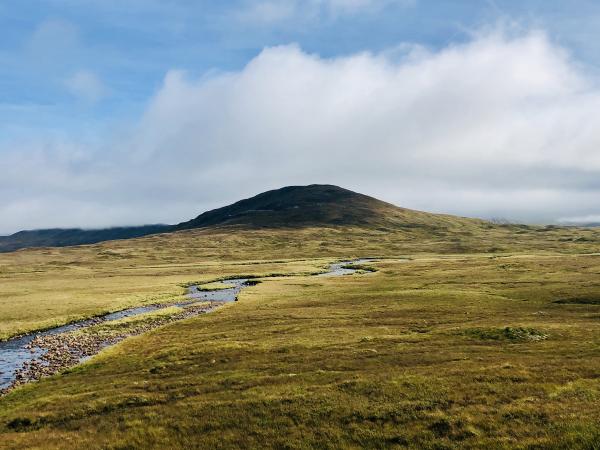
[65,350]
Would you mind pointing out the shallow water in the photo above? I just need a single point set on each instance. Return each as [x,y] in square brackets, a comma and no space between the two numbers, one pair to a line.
[14,352]
[218,295]
[337,269]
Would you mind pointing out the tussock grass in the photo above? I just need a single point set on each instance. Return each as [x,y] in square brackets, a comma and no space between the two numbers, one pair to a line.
[512,334]
[378,361]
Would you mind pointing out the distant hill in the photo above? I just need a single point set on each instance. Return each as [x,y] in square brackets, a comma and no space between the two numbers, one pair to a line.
[292,206]
[63,237]
[581,224]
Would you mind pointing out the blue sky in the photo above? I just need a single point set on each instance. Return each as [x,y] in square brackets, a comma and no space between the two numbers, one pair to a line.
[128,46]
[79,79]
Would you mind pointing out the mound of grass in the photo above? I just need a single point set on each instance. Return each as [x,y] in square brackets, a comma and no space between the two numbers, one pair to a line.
[360,268]
[214,286]
[511,334]
[579,301]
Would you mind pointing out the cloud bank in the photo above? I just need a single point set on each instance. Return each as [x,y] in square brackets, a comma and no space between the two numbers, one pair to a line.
[501,126]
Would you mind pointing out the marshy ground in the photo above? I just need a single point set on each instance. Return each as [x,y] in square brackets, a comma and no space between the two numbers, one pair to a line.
[472,350]
[40,354]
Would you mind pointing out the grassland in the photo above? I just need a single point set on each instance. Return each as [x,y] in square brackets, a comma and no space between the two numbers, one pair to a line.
[48,287]
[481,339]
[43,289]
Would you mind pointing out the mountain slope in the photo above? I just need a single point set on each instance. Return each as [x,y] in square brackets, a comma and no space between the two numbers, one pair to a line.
[288,207]
[316,204]
[293,206]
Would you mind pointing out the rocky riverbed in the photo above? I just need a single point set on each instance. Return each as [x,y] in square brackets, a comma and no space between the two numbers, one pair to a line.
[67,349]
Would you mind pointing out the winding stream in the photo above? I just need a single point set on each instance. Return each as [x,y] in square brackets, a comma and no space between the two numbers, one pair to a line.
[21,352]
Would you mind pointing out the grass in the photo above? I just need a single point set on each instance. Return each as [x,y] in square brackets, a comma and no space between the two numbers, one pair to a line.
[443,351]
[360,268]
[214,286]
[512,334]
[48,287]
[117,327]
[42,289]
[579,301]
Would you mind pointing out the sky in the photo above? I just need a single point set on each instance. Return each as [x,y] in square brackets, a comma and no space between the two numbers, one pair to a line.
[144,111]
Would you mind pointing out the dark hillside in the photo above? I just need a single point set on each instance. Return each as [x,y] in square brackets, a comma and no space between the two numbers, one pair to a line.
[60,237]
[294,206]
[319,205]
[288,207]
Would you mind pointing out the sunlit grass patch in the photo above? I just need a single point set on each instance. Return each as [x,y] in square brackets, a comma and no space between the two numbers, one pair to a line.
[360,268]
[585,390]
[510,334]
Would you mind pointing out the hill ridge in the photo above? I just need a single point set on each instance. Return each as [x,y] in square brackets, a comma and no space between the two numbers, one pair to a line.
[289,207]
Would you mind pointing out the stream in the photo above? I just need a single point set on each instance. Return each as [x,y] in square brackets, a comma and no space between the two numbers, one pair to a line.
[20,354]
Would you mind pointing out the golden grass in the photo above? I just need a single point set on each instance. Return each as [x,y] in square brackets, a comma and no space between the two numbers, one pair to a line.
[41,290]
[47,287]
[379,360]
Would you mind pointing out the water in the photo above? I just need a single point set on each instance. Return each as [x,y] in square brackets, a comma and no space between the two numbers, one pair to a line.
[14,352]
[218,295]
[338,269]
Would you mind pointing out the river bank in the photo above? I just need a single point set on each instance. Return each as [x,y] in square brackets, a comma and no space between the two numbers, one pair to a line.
[31,357]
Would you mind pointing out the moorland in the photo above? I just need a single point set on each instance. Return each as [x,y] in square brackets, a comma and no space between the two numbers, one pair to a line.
[468,334]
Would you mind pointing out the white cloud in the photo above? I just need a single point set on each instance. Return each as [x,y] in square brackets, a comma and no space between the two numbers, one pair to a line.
[499,127]
[87,86]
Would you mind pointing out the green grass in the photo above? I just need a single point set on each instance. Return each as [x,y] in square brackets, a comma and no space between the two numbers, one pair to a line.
[117,327]
[438,352]
[512,334]
[466,336]
[214,286]
[44,288]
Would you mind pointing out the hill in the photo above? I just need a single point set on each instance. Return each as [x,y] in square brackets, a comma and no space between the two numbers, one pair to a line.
[315,205]
[288,207]
[60,237]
